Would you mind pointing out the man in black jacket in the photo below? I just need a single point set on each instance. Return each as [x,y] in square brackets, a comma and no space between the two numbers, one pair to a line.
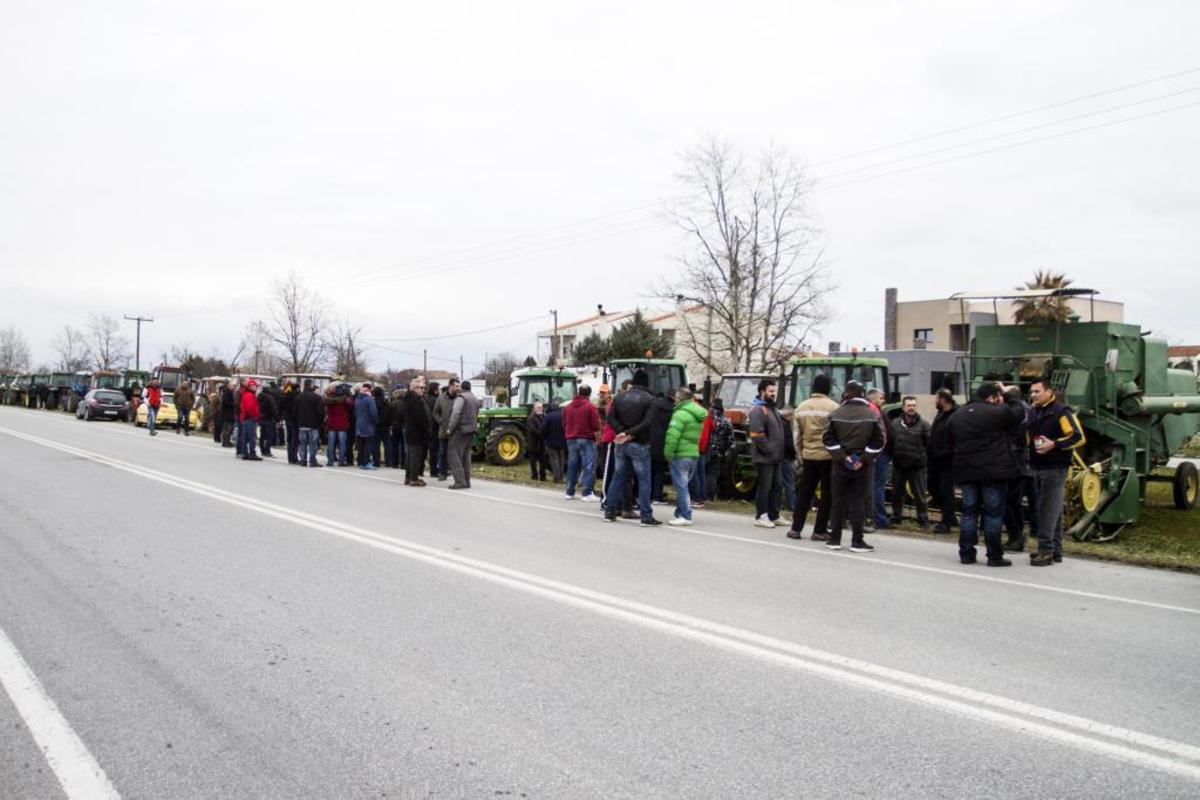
[910,437]
[630,417]
[941,458]
[229,414]
[309,410]
[854,438]
[418,425]
[1054,433]
[979,434]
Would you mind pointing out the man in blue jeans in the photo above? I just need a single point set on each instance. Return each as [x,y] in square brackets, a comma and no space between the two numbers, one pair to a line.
[980,436]
[682,450]
[581,425]
[630,418]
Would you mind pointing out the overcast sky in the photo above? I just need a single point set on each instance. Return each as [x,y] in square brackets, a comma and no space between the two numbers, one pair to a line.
[434,170]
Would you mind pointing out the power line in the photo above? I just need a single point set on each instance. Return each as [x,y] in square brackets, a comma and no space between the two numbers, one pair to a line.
[1016,144]
[1007,134]
[466,333]
[1005,117]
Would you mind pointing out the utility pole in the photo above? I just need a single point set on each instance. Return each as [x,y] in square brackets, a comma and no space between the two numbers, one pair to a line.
[137,358]
[554,349]
[461,372]
[424,361]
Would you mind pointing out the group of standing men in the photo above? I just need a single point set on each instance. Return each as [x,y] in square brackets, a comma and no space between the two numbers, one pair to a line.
[999,450]
[415,426]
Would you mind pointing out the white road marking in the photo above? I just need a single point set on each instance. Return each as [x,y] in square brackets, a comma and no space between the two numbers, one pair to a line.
[77,771]
[964,573]
[1177,758]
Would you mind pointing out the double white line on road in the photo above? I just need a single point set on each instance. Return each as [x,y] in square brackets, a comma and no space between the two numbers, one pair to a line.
[1145,750]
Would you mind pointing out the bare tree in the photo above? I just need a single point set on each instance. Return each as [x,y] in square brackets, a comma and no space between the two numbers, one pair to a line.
[753,273]
[295,318]
[343,344]
[498,370]
[70,345]
[14,351]
[259,356]
[106,347]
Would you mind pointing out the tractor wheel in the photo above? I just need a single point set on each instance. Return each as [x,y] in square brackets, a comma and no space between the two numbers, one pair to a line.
[505,446]
[1187,486]
[744,484]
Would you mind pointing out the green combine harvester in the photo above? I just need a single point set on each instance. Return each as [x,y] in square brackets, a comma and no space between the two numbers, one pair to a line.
[501,434]
[1135,411]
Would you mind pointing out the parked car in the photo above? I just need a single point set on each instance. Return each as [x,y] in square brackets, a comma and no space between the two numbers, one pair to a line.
[166,414]
[103,404]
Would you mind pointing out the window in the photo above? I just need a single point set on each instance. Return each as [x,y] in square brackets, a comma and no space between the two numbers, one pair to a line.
[923,335]
[944,380]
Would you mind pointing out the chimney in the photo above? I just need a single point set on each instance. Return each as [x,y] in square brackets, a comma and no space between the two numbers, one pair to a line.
[889,318]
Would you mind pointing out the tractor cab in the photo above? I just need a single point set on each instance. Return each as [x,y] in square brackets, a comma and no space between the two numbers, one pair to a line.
[872,373]
[319,379]
[665,375]
[534,385]
[171,378]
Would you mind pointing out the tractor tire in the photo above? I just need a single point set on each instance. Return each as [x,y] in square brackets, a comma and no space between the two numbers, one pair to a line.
[505,446]
[1187,486]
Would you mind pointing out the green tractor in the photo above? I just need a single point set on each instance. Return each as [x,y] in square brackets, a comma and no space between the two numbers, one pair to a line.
[1135,411]
[501,434]
[738,391]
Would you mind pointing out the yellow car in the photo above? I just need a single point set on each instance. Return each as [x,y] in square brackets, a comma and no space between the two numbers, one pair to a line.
[166,414]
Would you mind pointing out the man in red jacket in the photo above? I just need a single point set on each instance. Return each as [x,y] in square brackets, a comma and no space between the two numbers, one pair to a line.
[248,415]
[153,398]
[581,424]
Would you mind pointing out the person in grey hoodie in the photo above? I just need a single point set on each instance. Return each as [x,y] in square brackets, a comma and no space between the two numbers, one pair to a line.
[464,421]
[766,450]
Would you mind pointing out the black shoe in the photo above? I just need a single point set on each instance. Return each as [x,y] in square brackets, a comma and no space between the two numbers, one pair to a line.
[458,486]
[795,534]
[1014,547]
[861,547]
[652,522]
[966,559]
[834,544]
[1058,558]
[896,520]
[610,518]
[251,458]
[441,477]
[999,562]
[630,515]
[1041,559]
[820,536]
[941,529]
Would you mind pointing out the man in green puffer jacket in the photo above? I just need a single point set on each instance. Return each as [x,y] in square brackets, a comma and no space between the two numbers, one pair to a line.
[682,450]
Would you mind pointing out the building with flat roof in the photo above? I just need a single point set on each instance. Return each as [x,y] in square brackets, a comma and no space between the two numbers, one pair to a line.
[945,324]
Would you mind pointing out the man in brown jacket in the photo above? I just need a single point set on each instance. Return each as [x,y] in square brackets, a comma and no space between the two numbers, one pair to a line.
[812,418]
[185,400]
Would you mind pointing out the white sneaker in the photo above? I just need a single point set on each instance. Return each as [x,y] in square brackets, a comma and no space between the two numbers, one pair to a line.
[764,522]
[782,523]
[570,497]
[679,522]
[590,498]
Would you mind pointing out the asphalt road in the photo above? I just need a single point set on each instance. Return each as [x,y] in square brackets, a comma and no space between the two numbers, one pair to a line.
[181,624]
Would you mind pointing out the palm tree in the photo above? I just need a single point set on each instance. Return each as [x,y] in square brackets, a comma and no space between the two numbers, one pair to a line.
[1043,310]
